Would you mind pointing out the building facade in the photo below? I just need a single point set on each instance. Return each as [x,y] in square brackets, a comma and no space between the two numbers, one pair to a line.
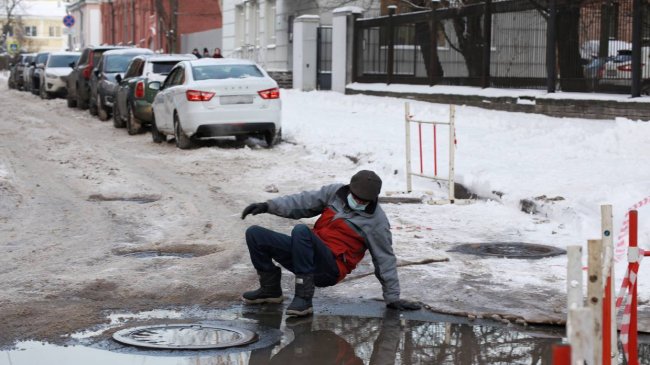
[37,26]
[159,25]
[87,29]
[262,30]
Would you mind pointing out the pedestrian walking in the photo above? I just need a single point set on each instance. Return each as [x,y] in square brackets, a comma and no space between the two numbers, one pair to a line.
[196,53]
[206,53]
[217,53]
[351,221]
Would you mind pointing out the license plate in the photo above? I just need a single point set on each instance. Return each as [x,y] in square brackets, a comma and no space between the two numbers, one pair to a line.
[236,99]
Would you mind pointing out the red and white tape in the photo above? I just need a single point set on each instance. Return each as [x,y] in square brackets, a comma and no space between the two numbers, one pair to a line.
[624,295]
[621,243]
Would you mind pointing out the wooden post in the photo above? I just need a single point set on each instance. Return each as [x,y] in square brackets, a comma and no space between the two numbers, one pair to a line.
[610,339]
[595,296]
[407,118]
[581,335]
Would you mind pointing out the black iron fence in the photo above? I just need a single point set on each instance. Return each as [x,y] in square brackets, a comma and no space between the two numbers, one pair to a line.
[575,45]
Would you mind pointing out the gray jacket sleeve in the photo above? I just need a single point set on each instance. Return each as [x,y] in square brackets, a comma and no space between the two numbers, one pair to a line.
[380,244]
[303,205]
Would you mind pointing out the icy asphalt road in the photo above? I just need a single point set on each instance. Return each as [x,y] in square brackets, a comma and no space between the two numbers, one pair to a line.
[83,205]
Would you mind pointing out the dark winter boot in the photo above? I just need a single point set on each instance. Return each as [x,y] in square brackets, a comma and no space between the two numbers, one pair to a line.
[301,304]
[270,290]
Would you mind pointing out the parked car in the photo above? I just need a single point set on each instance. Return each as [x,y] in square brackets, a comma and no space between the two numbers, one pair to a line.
[35,72]
[78,82]
[23,64]
[620,73]
[102,82]
[596,68]
[27,75]
[55,74]
[214,97]
[133,97]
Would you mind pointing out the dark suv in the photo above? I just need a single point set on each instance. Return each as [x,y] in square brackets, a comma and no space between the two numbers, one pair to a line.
[103,83]
[78,83]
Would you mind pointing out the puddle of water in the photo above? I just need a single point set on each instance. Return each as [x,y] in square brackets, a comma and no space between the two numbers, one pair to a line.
[509,250]
[339,333]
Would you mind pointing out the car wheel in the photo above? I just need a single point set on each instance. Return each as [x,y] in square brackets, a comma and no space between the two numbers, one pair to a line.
[81,102]
[102,113]
[156,135]
[273,137]
[44,95]
[182,140]
[133,124]
[117,117]
[36,90]
[92,105]
[72,103]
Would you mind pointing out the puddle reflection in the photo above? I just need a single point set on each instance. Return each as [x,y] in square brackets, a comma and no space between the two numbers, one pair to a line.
[324,340]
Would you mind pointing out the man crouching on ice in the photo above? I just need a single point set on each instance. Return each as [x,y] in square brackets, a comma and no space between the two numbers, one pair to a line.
[350,222]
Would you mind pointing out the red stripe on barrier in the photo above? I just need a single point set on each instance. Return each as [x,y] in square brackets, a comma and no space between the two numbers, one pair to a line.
[561,354]
[420,134]
[435,152]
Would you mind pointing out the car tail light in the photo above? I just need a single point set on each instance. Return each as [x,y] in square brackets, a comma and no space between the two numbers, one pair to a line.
[195,95]
[627,67]
[270,93]
[139,90]
[86,73]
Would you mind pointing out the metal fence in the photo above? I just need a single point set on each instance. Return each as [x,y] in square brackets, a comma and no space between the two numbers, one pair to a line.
[573,46]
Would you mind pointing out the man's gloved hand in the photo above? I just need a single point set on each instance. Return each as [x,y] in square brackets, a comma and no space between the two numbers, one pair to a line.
[404,305]
[255,209]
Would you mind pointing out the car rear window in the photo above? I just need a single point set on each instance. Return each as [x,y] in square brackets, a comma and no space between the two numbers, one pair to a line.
[62,60]
[96,56]
[163,68]
[220,72]
[117,63]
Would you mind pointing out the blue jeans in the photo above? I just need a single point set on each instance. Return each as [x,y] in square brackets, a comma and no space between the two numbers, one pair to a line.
[301,253]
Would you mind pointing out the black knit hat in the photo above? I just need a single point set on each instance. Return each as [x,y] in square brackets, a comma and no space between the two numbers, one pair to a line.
[365,185]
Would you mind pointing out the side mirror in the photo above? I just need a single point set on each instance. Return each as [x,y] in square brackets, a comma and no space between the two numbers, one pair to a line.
[32,63]
[118,78]
[155,85]
[96,72]
[71,64]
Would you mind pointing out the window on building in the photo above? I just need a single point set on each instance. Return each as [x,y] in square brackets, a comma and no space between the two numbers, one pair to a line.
[30,31]
[252,21]
[10,31]
[270,21]
[55,31]
[240,26]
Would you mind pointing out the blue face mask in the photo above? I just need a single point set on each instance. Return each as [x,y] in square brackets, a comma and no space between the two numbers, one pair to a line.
[354,205]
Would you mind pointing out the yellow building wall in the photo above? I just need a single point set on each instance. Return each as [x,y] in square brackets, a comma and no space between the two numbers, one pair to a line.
[49,35]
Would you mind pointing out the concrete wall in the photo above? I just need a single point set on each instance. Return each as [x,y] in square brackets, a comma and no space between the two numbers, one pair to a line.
[209,39]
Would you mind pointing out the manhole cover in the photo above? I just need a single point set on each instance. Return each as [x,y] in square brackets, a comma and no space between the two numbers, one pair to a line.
[515,250]
[185,336]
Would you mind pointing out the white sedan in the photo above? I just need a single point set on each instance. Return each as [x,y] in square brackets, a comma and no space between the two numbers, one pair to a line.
[213,97]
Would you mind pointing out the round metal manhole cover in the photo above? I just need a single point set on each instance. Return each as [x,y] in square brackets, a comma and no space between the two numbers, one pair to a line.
[515,250]
[185,336]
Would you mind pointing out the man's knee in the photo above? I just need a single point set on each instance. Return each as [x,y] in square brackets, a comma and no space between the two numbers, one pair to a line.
[252,233]
[301,230]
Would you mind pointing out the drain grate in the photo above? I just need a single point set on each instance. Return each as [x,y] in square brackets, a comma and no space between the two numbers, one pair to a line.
[515,250]
[185,336]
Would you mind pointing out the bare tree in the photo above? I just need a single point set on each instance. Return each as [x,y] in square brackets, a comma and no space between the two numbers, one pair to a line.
[9,8]
[168,20]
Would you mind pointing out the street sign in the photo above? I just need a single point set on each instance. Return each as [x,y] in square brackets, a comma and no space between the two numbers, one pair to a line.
[13,47]
[68,21]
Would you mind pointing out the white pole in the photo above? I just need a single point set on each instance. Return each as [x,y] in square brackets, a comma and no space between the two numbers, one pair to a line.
[407,121]
[452,148]
[595,295]
[581,335]
[608,242]
[574,280]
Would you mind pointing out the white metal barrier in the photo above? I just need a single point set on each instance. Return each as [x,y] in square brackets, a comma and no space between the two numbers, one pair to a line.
[452,148]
